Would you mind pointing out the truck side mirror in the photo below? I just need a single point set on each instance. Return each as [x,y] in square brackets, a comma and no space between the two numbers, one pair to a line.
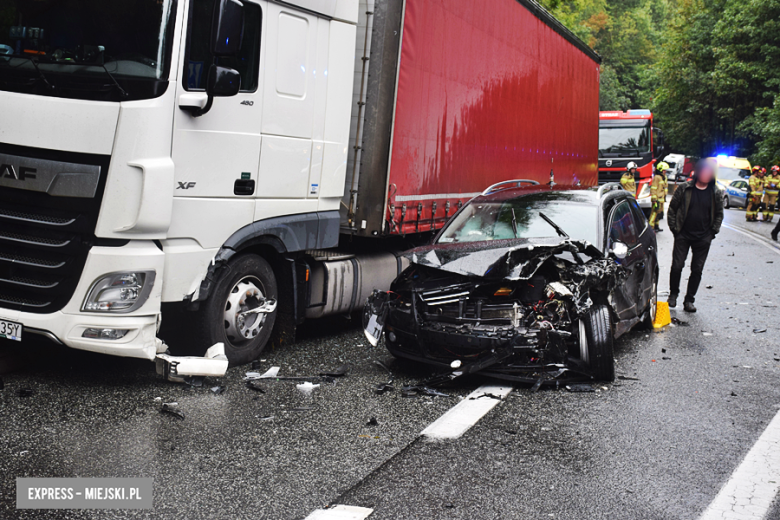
[227,28]
[223,82]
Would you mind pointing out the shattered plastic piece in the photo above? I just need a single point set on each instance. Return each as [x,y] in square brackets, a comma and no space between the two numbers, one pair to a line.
[176,368]
[24,392]
[307,387]
[709,287]
[678,321]
[580,388]
[628,378]
[488,394]
[253,385]
[666,358]
[418,390]
[663,351]
[758,331]
[157,399]
[218,389]
[339,372]
[733,394]
[381,388]
[269,374]
[170,409]
[196,381]
[706,334]
[372,422]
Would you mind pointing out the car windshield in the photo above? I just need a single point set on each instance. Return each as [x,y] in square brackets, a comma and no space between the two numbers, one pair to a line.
[483,221]
[731,174]
[619,139]
[88,49]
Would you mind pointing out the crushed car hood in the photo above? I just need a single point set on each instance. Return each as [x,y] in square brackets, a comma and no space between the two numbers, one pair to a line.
[504,259]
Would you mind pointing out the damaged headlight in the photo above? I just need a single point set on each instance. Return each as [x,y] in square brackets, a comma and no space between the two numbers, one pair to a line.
[644,191]
[119,292]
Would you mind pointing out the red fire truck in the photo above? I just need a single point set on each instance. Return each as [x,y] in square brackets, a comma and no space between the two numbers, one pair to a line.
[626,137]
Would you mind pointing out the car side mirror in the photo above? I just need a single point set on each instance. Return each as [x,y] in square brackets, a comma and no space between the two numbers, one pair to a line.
[227,28]
[619,250]
[744,189]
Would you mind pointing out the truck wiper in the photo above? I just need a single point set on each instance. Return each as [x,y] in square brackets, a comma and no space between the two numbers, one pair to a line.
[41,75]
[116,83]
[555,226]
[514,223]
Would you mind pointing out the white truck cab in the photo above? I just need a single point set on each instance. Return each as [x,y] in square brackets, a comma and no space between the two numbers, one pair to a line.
[144,146]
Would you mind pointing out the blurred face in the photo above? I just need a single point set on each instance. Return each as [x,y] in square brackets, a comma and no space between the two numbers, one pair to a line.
[707,174]
[632,171]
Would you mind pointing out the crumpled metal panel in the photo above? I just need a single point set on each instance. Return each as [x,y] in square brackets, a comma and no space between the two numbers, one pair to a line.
[487,92]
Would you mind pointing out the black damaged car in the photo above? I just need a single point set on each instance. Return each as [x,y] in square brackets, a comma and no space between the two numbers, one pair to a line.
[525,283]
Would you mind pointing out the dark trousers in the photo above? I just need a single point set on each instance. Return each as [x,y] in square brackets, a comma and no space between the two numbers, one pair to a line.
[699,250]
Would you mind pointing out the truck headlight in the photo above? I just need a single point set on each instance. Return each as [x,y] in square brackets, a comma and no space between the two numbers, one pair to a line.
[644,191]
[119,292]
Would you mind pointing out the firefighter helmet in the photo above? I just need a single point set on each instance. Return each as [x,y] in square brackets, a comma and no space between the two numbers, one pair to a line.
[662,166]
[631,166]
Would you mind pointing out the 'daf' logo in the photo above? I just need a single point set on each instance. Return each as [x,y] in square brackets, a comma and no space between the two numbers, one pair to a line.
[8,171]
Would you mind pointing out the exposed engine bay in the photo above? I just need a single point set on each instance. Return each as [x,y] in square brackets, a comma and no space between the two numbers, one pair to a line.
[516,312]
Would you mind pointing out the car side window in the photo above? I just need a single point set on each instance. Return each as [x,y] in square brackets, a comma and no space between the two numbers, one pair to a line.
[199,58]
[622,227]
[639,216]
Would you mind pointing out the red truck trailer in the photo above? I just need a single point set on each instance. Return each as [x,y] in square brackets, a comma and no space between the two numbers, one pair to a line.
[459,95]
[626,137]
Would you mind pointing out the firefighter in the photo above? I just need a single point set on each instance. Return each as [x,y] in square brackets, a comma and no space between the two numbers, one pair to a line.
[771,190]
[658,195]
[628,180]
[756,190]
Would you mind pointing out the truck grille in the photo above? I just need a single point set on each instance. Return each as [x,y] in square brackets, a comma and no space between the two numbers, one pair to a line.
[45,240]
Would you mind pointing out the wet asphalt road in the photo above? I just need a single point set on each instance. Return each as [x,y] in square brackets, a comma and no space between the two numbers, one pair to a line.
[658,447]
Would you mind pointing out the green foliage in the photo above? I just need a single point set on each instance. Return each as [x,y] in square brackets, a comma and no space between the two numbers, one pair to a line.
[709,69]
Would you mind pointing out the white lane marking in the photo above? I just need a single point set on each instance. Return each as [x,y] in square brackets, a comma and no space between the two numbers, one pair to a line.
[458,419]
[764,242]
[752,488]
[341,513]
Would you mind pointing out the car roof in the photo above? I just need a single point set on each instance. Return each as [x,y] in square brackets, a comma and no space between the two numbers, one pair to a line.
[558,193]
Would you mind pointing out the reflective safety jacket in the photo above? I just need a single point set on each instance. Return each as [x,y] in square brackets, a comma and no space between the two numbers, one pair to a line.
[756,184]
[657,188]
[772,184]
[628,183]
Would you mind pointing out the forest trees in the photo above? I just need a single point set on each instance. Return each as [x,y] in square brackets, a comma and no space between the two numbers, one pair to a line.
[709,69]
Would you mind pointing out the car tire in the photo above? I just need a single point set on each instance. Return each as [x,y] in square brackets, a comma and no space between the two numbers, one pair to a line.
[652,306]
[242,286]
[596,342]
[726,202]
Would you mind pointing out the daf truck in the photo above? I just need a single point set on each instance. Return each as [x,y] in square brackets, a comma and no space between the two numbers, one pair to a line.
[228,169]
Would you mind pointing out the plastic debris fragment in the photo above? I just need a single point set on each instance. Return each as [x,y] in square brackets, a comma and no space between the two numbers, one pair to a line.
[307,387]
[170,409]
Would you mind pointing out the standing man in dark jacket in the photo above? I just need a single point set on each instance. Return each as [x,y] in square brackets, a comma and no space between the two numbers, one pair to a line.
[695,215]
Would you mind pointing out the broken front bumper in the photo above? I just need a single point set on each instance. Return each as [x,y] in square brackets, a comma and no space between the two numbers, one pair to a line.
[68,325]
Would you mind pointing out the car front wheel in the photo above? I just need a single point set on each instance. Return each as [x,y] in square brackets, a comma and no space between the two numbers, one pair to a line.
[596,342]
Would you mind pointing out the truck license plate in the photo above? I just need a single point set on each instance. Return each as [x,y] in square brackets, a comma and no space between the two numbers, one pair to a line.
[10,330]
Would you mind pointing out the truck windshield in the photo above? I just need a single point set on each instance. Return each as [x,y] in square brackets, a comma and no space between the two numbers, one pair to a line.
[624,140]
[521,218]
[110,50]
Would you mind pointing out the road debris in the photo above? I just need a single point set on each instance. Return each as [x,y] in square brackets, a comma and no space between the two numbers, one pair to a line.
[381,388]
[678,321]
[372,422]
[580,388]
[178,368]
[628,378]
[418,390]
[339,372]
[307,388]
[269,374]
[218,389]
[254,385]
[170,409]
[758,331]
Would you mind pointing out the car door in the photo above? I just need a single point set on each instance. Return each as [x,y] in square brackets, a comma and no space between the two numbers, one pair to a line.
[622,227]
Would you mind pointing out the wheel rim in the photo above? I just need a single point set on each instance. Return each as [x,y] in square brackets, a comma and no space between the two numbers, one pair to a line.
[654,301]
[726,202]
[583,343]
[245,310]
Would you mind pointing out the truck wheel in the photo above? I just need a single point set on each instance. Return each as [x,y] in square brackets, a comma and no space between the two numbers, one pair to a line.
[652,305]
[226,316]
[596,341]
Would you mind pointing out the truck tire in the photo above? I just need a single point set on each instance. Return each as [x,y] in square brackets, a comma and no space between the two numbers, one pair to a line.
[248,281]
[596,342]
